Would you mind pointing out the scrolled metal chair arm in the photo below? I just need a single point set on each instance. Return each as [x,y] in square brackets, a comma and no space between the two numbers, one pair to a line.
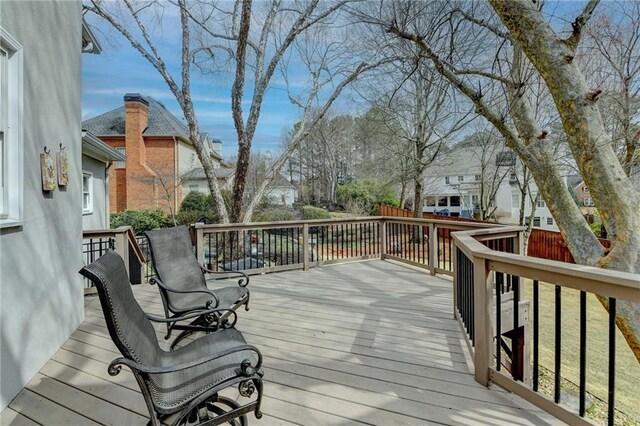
[242,282]
[155,280]
[247,369]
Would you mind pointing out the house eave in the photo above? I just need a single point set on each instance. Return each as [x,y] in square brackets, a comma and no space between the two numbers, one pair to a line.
[95,148]
[89,41]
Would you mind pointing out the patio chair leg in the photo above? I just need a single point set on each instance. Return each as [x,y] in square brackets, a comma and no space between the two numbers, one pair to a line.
[246,304]
[179,337]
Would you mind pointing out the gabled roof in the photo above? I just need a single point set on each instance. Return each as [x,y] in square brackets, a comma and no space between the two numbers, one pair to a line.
[161,122]
[281,182]
[198,173]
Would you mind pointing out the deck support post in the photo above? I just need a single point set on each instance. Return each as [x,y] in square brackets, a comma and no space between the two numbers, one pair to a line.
[305,247]
[482,322]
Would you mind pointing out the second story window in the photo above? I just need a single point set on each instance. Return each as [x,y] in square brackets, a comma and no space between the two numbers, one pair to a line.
[121,150]
[477,178]
[585,190]
[460,178]
[541,203]
[447,180]
[87,193]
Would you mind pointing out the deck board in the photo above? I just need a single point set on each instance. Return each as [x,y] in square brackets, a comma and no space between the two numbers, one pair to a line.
[369,342]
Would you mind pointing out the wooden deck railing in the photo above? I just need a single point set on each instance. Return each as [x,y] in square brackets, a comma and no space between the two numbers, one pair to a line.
[489,285]
[123,241]
[496,289]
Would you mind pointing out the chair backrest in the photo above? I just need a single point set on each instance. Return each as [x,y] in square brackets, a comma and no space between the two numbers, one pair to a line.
[173,258]
[128,325]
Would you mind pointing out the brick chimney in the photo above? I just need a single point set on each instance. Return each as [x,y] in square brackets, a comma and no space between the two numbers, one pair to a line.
[136,117]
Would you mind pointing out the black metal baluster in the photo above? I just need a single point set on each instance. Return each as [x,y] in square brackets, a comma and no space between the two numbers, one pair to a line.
[583,350]
[244,257]
[536,335]
[498,319]
[558,344]
[450,268]
[237,250]
[515,350]
[612,362]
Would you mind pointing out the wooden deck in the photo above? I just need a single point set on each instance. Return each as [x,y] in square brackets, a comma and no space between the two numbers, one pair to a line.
[368,342]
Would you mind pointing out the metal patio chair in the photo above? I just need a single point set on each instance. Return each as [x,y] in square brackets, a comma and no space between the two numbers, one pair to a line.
[183,286]
[179,386]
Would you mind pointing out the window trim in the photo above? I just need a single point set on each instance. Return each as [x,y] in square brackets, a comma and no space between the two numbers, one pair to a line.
[89,191]
[14,144]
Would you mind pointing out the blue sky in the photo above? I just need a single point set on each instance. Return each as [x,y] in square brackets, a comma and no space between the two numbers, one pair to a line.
[120,69]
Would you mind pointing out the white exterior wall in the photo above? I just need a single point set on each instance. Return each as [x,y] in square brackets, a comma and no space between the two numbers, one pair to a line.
[187,158]
[462,163]
[41,292]
[282,196]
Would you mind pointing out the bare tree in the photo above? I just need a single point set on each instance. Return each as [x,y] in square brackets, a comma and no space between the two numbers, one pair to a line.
[612,55]
[129,19]
[530,37]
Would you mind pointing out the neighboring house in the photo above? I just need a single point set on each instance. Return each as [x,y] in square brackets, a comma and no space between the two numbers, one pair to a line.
[158,151]
[41,292]
[196,181]
[584,197]
[282,192]
[454,184]
[97,160]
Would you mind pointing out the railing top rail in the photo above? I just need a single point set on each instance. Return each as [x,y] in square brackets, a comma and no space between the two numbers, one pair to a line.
[322,222]
[442,223]
[580,277]
[122,230]
[284,224]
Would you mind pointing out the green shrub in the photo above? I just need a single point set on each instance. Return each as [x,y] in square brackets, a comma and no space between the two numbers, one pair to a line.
[141,220]
[364,195]
[596,228]
[198,205]
[273,215]
[311,213]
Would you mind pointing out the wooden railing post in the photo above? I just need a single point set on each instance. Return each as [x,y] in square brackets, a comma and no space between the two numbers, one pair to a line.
[433,248]
[305,247]
[122,245]
[200,243]
[383,238]
[455,276]
[483,329]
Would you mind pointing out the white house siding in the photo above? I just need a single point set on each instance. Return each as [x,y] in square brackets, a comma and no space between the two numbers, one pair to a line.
[99,217]
[282,196]
[462,162]
[41,294]
[187,158]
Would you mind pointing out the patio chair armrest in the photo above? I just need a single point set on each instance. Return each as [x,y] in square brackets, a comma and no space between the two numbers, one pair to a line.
[246,366]
[155,280]
[222,313]
[192,315]
[243,280]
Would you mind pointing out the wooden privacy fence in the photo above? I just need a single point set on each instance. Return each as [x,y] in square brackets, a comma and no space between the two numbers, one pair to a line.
[542,243]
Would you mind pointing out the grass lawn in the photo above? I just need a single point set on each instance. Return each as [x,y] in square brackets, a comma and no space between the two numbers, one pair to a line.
[627,367]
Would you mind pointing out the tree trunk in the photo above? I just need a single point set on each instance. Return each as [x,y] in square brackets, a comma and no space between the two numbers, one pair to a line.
[609,186]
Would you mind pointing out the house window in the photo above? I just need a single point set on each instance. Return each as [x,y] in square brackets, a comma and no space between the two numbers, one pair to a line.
[442,202]
[477,178]
[454,201]
[87,192]
[585,190]
[460,178]
[541,203]
[446,180]
[431,201]
[536,221]
[122,150]
[588,202]
[549,221]
[515,200]
[11,130]
[475,201]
